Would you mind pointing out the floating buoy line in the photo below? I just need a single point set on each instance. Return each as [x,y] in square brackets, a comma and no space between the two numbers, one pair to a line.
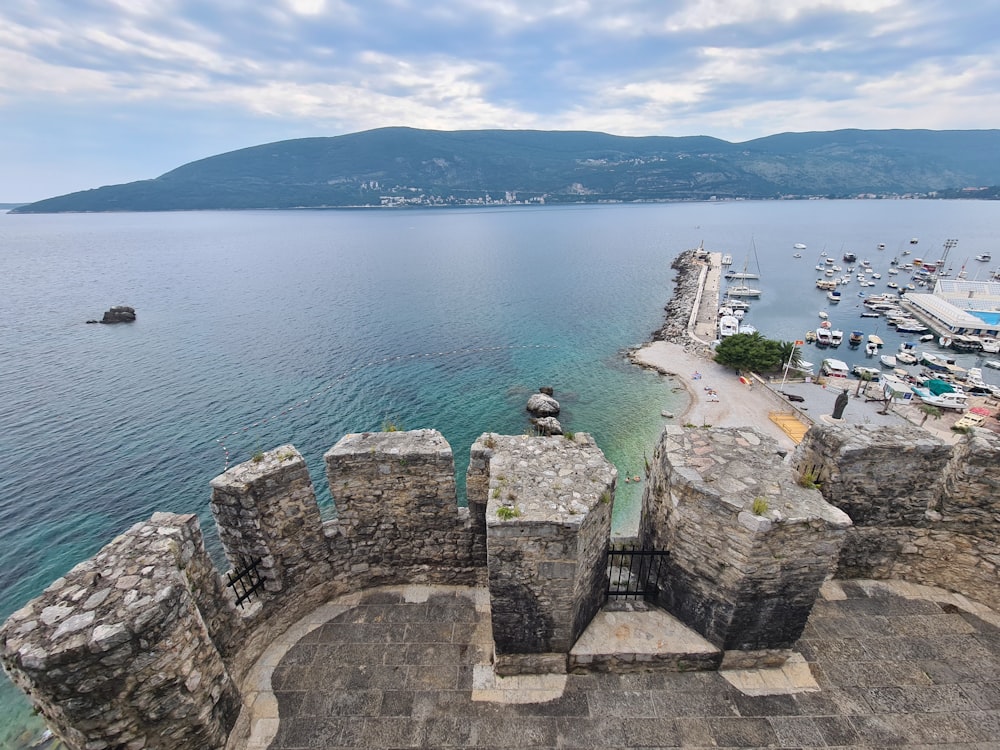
[225,439]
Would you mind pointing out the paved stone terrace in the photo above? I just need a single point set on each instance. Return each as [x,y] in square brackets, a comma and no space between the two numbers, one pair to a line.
[896,664]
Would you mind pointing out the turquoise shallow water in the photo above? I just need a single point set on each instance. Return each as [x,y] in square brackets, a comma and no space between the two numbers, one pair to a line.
[260,328]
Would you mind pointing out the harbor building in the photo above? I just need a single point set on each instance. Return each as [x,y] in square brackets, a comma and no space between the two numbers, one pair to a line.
[968,308]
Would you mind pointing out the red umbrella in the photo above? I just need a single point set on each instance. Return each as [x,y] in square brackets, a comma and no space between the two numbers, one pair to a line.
[981,410]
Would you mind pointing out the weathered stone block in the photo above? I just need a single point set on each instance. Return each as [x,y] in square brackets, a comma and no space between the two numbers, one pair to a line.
[877,475]
[107,653]
[548,522]
[749,548]
[266,508]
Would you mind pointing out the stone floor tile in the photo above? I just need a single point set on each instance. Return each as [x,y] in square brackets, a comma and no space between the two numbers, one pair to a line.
[796,731]
[593,733]
[694,732]
[651,733]
[838,731]
[984,725]
[767,705]
[880,730]
[526,732]
[742,732]
[669,705]
[985,695]
[623,704]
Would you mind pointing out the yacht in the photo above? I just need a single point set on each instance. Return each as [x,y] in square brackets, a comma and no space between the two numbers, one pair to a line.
[728,326]
[743,290]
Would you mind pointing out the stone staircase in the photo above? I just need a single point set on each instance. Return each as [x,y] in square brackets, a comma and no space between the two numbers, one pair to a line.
[630,635]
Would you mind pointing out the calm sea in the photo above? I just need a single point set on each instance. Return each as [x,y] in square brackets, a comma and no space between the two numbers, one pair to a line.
[260,328]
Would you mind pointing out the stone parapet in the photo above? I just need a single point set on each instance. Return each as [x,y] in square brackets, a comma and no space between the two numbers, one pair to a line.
[118,653]
[266,508]
[969,502]
[964,563]
[875,474]
[924,511]
[749,547]
[548,524]
[397,511]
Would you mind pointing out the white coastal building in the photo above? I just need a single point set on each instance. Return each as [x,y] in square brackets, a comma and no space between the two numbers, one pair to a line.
[968,308]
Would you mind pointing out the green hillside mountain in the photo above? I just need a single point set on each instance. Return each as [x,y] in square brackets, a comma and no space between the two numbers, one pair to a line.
[405,166]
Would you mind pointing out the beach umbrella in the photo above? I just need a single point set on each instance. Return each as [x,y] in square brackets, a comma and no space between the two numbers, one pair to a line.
[982,410]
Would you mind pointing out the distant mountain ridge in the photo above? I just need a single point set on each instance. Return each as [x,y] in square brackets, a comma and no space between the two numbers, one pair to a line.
[406,166]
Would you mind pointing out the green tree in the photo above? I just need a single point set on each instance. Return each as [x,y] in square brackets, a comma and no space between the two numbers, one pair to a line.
[749,351]
[788,349]
[929,410]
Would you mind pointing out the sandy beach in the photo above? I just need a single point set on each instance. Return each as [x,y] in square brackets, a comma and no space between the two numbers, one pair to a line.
[717,396]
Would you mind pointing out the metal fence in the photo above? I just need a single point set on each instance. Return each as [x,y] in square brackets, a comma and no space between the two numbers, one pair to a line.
[635,572]
[245,580]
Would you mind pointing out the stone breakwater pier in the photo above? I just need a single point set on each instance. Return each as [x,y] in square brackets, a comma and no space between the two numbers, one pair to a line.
[834,596]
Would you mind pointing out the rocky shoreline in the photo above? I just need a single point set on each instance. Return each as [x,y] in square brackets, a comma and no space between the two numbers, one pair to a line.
[678,309]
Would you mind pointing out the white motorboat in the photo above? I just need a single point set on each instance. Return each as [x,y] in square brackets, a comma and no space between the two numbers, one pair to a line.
[953,401]
[984,257]
[728,326]
[823,337]
[834,368]
[823,314]
[871,348]
[836,337]
[990,345]
[869,373]
[727,259]
[888,360]
[993,363]
[799,246]
[833,295]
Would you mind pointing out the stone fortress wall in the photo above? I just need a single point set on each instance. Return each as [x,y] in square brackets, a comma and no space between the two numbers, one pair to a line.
[923,511]
[143,646]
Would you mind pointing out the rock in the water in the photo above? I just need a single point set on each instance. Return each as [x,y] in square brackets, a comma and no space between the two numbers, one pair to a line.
[547,426]
[119,314]
[542,406]
[547,390]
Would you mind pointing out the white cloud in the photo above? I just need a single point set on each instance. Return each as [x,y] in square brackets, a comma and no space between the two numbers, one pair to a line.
[737,69]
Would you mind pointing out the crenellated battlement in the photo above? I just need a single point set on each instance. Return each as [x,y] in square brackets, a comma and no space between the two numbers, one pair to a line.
[143,645]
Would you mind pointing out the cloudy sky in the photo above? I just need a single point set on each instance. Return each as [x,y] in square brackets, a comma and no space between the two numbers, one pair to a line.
[97,92]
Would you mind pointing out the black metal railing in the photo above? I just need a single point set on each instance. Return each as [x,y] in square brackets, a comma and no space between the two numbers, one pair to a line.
[635,572]
[245,580]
